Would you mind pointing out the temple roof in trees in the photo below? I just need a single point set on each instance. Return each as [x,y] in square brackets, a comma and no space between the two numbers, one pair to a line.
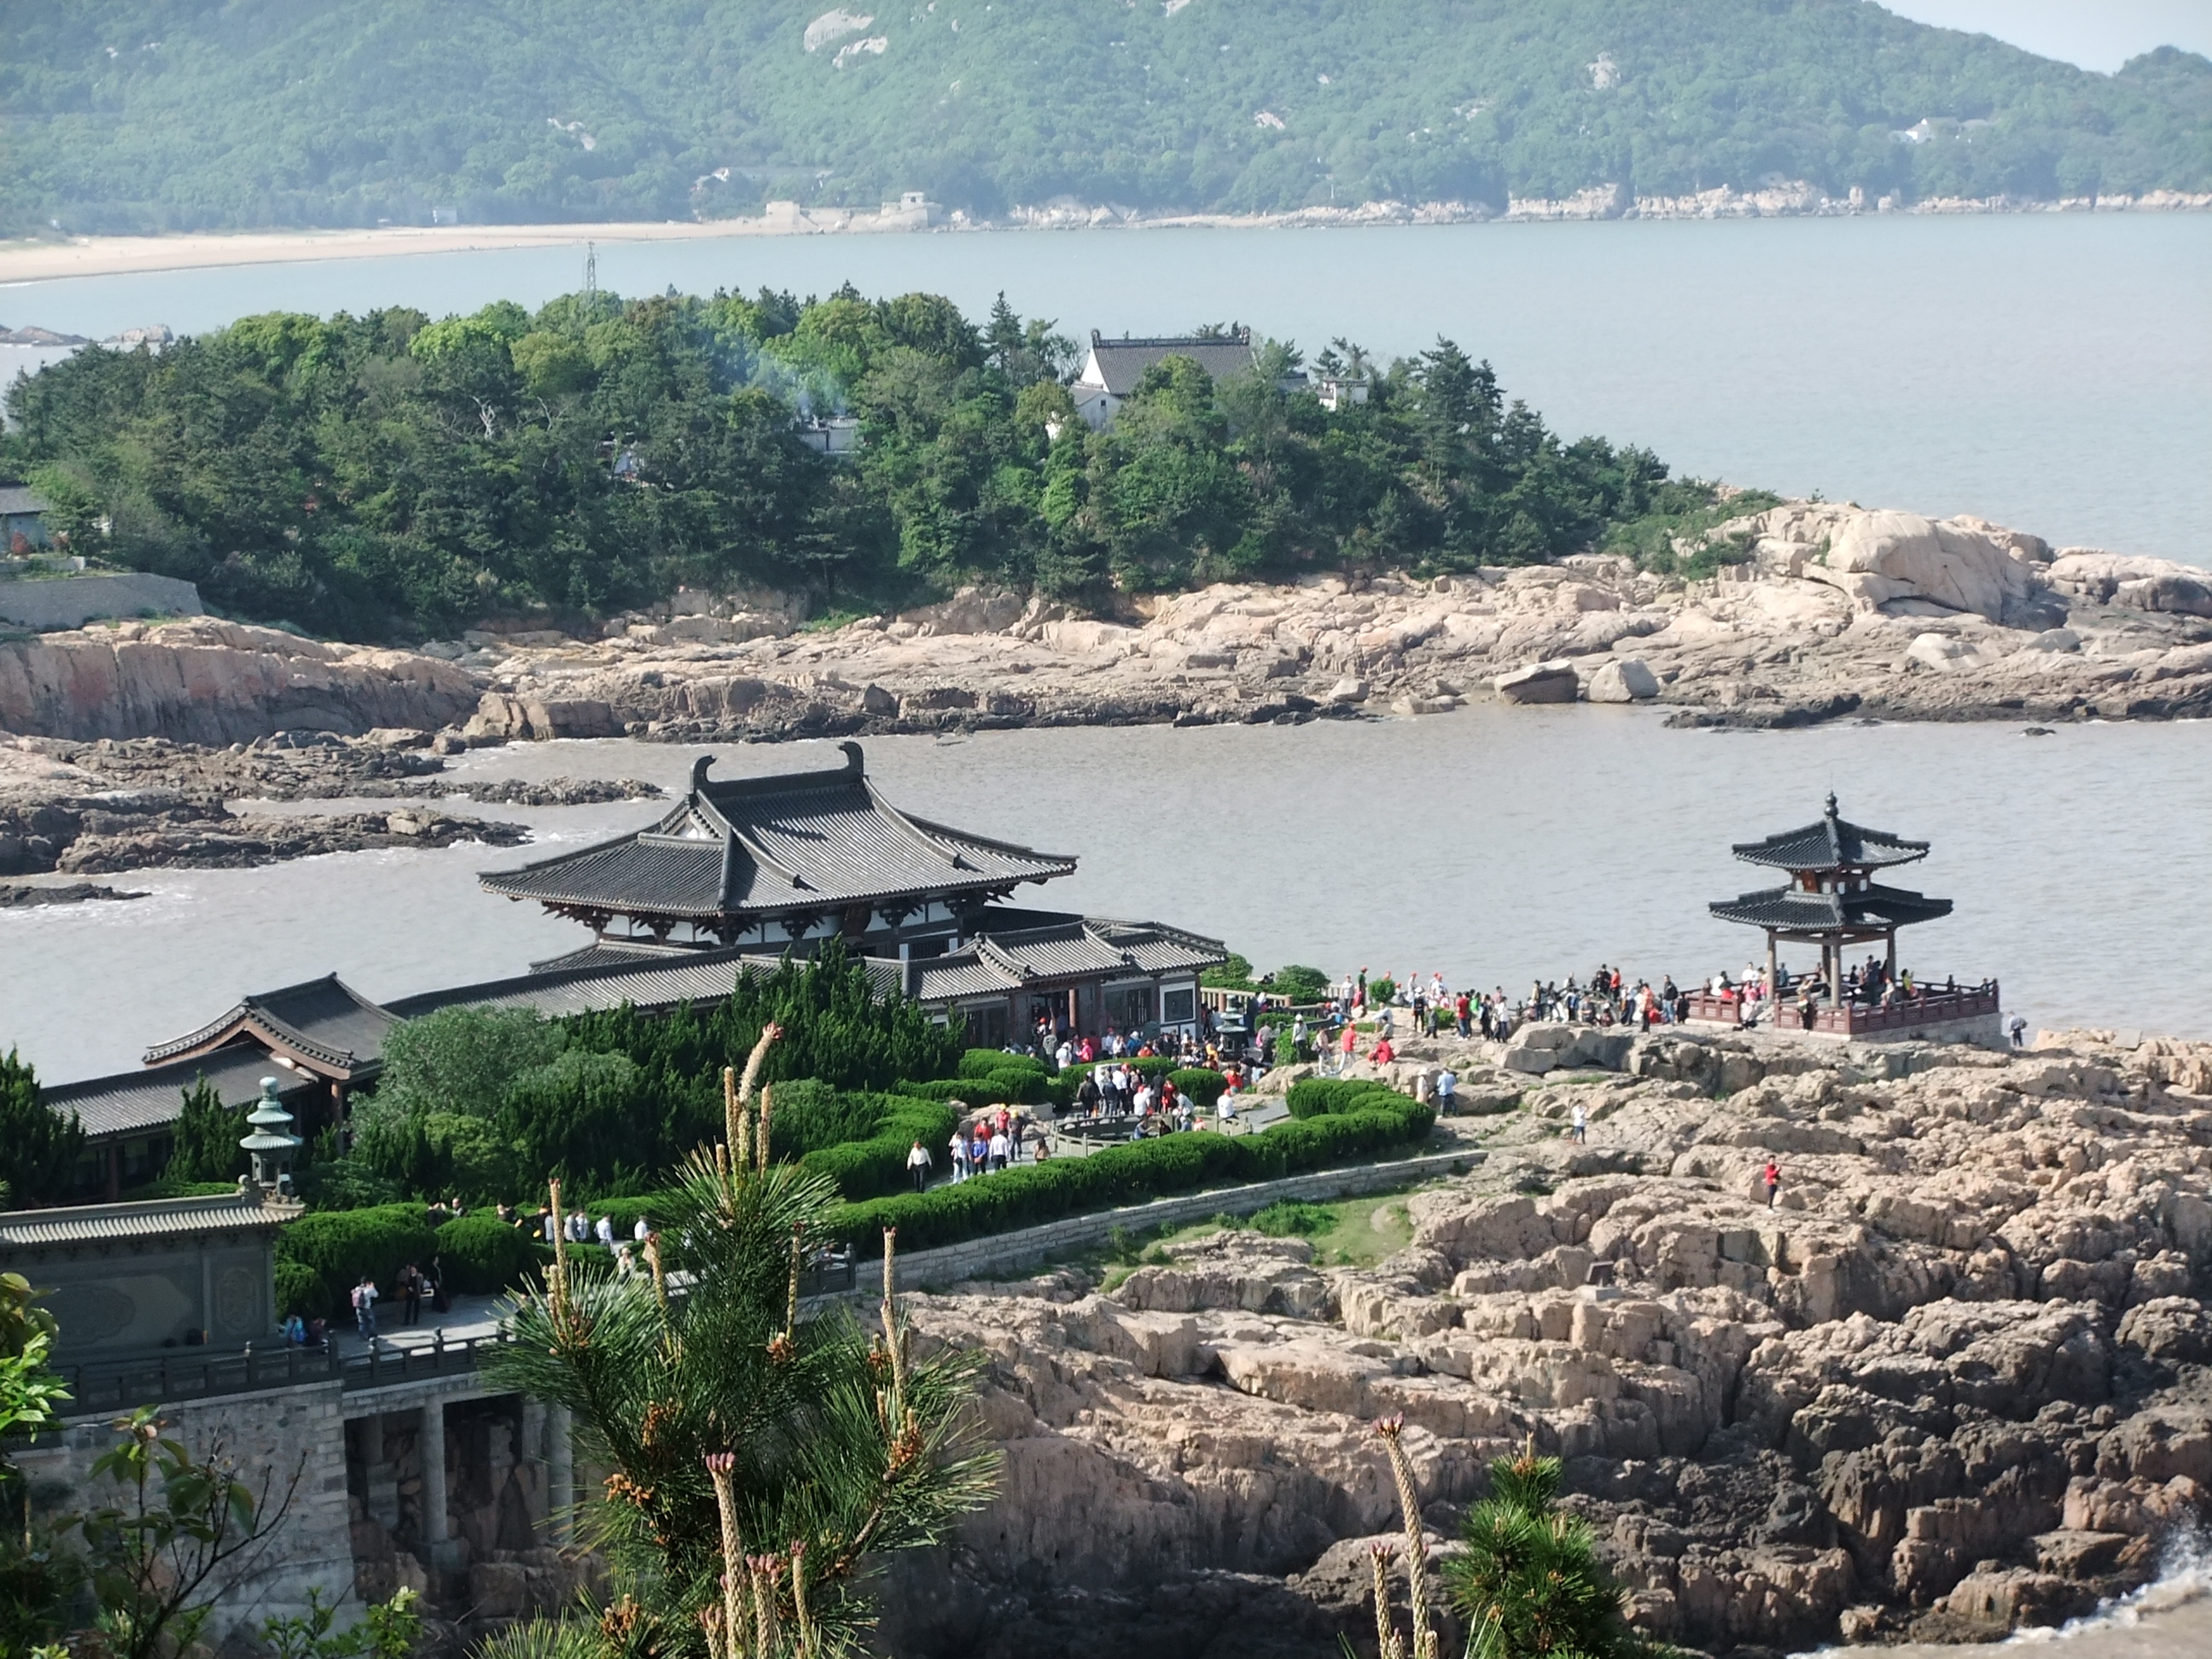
[324,1023]
[1872,908]
[792,842]
[1829,842]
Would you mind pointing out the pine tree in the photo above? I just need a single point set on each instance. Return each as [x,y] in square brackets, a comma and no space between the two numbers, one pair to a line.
[39,1147]
[1530,1585]
[756,1457]
[207,1137]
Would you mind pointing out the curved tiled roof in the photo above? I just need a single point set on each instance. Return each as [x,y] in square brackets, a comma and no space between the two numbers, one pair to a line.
[1831,843]
[759,847]
[162,1218]
[322,1020]
[1791,910]
[134,1102]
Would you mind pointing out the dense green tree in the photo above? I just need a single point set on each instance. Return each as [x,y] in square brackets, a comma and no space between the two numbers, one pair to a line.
[141,115]
[207,1137]
[389,475]
[1530,1585]
[761,1461]
[38,1146]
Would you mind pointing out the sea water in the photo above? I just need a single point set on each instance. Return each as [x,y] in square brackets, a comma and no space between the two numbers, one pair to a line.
[1492,845]
[2052,372]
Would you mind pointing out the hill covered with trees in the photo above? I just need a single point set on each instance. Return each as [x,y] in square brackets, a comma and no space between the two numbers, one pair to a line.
[139,115]
[386,477]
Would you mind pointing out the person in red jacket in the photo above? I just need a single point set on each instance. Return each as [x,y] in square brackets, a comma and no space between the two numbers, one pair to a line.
[1384,1054]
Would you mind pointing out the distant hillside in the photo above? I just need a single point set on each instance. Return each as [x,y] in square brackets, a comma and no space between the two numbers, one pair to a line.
[133,115]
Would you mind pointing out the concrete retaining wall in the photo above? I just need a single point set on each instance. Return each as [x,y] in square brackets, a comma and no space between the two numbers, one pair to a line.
[1006,1253]
[73,601]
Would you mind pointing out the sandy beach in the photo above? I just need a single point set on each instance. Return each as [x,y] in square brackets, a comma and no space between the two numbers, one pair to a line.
[109,255]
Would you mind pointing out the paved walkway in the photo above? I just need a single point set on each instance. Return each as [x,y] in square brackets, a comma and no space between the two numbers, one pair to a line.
[470,1316]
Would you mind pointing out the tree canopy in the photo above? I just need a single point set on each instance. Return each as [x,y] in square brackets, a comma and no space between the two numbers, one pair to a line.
[139,115]
[388,476]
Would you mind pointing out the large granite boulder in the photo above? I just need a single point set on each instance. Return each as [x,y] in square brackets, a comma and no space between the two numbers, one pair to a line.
[1625,679]
[1541,681]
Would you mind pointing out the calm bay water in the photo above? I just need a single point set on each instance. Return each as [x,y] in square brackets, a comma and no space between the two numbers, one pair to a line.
[1492,845]
[2051,372]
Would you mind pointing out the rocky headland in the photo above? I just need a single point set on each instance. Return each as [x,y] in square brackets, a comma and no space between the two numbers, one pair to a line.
[1824,612]
[1957,1380]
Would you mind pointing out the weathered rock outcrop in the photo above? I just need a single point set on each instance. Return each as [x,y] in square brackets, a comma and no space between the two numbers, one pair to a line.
[211,682]
[1830,610]
[1955,1380]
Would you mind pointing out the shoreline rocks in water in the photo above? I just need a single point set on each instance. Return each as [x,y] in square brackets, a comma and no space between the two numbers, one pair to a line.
[1827,611]
[1957,1380]
[26,896]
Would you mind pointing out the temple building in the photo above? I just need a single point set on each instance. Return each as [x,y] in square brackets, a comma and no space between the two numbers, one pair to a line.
[772,861]
[733,875]
[1833,901]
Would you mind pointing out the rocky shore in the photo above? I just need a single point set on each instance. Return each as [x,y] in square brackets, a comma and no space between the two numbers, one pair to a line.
[1957,1380]
[1826,613]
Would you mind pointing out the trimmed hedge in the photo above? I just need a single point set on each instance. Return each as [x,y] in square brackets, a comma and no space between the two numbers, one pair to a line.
[299,1291]
[480,1254]
[997,1088]
[1203,1085]
[990,1062]
[867,1169]
[338,1246]
[1316,1096]
[1031,1194]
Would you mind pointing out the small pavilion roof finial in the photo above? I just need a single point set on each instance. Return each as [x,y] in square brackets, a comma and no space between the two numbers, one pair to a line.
[1831,803]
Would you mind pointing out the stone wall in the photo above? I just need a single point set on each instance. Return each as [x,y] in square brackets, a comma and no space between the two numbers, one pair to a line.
[269,1435]
[73,601]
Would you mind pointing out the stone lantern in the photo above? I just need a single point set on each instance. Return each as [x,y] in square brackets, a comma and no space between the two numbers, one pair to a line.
[272,1142]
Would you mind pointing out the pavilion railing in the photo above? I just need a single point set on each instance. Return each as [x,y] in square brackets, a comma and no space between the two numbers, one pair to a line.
[1935,1005]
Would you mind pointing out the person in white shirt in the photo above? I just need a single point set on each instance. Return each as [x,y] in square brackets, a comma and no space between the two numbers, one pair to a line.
[1001,1149]
[641,1231]
[917,1165]
[1064,1056]
[607,1230]
[1581,1122]
[1447,1084]
[1143,1103]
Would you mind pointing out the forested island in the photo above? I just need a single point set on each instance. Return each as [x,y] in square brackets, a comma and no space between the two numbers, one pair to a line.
[134,116]
[390,477]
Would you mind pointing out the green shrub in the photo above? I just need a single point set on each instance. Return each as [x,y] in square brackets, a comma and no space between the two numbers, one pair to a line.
[1293,1217]
[1315,1095]
[1031,1194]
[479,1254]
[338,1246]
[1202,1085]
[809,1114]
[997,1088]
[988,1062]
[299,1291]
[1299,983]
[869,1169]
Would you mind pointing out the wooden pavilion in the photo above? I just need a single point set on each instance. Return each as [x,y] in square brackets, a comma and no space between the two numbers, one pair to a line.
[1832,900]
